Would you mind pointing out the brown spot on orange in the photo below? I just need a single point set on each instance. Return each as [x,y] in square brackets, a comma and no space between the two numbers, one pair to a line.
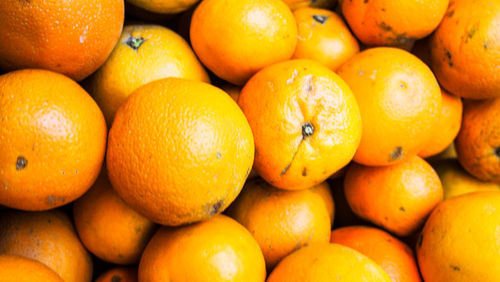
[135,42]
[21,163]
[215,208]
[396,154]
[116,278]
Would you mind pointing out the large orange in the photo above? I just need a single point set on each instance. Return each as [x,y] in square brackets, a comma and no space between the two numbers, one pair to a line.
[399,100]
[305,121]
[465,49]
[144,53]
[52,140]
[478,142]
[73,37]
[179,151]
[237,38]
[20,269]
[460,240]
[48,237]
[388,22]
[218,249]
[397,197]
[394,256]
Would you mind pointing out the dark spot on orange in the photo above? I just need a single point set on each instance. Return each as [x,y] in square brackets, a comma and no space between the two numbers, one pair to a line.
[320,18]
[450,13]
[21,163]
[31,231]
[52,200]
[454,267]
[366,1]
[385,27]
[396,154]
[135,42]
[383,9]
[448,55]
[402,209]
[420,239]
[304,172]
[116,278]
[215,208]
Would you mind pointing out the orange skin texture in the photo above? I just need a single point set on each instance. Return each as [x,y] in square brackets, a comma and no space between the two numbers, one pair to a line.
[268,26]
[279,101]
[324,191]
[281,221]
[460,239]
[72,37]
[218,249]
[164,7]
[109,228]
[478,141]
[163,53]
[179,151]
[387,22]
[323,37]
[47,237]
[52,140]
[394,256]
[20,269]
[465,49]
[399,100]
[397,198]
[325,262]
[119,274]
[447,126]
[296,4]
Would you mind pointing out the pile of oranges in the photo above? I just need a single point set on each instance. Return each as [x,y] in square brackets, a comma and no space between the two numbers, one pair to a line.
[249,140]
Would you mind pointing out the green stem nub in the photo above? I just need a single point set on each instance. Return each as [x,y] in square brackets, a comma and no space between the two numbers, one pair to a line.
[307,129]
[135,42]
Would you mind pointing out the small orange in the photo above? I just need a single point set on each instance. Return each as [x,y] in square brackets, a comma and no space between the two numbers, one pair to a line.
[478,142]
[144,53]
[237,38]
[119,274]
[394,256]
[164,7]
[325,262]
[388,22]
[281,221]
[47,237]
[323,37]
[179,151]
[218,249]
[109,228]
[20,269]
[460,240]
[305,121]
[296,4]
[52,140]
[397,198]
[399,100]
[465,49]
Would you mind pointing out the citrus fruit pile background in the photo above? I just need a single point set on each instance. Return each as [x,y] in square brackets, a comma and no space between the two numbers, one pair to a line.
[249,140]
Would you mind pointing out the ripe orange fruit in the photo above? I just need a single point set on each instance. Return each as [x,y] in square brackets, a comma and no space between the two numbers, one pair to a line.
[394,256]
[52,140]
[164,7]
[119,274]
[327,262]
[399,100]
[72,37]
[447,126]
[179,151]
[262,32]
[144,53]
[273,215]
[465,49]
[478,142]
[296,4]
[218,249]
[305,121]
[323,37]
[324,191]
[397,198]
[387,22]
[48,237]
[109,228]
[20,269]
[460,239]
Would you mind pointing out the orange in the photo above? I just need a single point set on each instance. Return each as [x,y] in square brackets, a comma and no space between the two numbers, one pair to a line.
[478,142]
[323,37]
[73,37]
[52,140]
[460,240]
[119,274]
[109,228]
[305,121]
[144,53]
[394,256]
[19,269]
[324,191]
[218,249]
[295,4]
[179,151]
[465,49]
[399,100]
[387,22]
[447,126]
[47,237]
[327,262]
[281,221]
[397,198]
[237,38]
